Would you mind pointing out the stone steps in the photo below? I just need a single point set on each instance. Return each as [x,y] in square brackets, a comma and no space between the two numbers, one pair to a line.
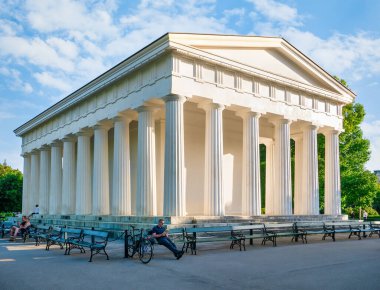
[121,223]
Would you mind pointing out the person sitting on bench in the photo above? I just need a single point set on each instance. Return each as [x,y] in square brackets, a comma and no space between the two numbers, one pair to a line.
[160,234]
[25,223]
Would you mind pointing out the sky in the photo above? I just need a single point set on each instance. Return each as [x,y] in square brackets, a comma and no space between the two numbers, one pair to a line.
[50,48]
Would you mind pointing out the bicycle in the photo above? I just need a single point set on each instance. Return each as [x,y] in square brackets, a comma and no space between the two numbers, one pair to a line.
[138,243]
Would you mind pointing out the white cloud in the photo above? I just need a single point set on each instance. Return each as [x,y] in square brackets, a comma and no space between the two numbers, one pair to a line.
[50,80]
[277,12]
[352,56]
[65,47]
[92,18]
[371,131]
[35,51]
[6,115]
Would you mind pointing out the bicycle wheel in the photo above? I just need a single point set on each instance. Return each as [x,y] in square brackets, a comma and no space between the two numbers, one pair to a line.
[130,246]
[145,251]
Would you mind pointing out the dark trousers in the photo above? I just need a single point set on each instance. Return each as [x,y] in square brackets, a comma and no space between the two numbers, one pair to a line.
[169,244]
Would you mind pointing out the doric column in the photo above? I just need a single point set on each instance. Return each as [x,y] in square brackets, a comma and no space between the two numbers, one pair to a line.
[83,201]
[332,173]
[174,191]
[55,198]
[214,201]
[44,180]
[34,179]
[282,173]
[146,163]
[251,164]
[100,183]
[299,208]
[69,174]
[121,196]
[310,184]
[26,184]
[269,177]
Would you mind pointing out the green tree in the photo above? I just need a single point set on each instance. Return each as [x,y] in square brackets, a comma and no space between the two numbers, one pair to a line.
[10,188]
[359,186]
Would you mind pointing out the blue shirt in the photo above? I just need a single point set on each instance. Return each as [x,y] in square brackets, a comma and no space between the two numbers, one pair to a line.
[158,230]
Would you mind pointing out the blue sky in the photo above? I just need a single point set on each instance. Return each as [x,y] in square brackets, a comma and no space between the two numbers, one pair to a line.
[49,48]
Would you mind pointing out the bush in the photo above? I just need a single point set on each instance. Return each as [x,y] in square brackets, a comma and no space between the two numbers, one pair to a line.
[369,210]
[6,214]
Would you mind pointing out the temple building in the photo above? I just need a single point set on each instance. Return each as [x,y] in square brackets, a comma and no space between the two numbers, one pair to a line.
[175,130]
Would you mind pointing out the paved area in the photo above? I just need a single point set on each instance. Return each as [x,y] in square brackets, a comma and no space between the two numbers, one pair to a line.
[345,264]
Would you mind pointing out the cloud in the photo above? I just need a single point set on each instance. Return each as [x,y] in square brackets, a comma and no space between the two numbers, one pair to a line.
[372,133]
[351,56]
[92,18]
[15,82]
[35,51]
[50,80]
[275,11]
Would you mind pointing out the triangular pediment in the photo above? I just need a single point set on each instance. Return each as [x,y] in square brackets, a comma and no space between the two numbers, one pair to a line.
[271,55]
[270,60]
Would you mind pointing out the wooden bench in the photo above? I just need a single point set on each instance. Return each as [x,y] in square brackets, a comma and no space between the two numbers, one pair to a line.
[96,241]
[40,233]
[314,228]
[55,238]
[351,228]
[282,230]
[64,237]
[254,231]
[196,235]
[6,226]
[375,228]
[367,227]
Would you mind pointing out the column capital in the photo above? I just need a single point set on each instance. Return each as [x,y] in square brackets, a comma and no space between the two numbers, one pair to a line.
[174,97]
[281,120]
[104,124]
[329,131]
[85,132]
[210,105]
[147,108]
[248,113]
[121,118]
[35,152]
[266,141]
[310,125]
[45,148]
[25,154]
[56,143]
[297,136]
[69,138]
[128,115]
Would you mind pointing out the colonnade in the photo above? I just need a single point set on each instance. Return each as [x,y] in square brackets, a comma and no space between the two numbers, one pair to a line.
[70,177]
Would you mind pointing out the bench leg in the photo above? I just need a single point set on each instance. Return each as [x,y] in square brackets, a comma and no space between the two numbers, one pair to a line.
[91,255]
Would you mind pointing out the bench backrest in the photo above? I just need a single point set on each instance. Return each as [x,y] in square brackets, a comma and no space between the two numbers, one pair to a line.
[8,224]
[285,227]
[175,231]
[68,233]
[209,229]
[96,234]
[255,227]
[309,225]
[375,224]
[42,228]
[56,230]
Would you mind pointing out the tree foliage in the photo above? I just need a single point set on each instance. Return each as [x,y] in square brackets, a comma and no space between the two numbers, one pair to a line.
[10,188]
[359,186]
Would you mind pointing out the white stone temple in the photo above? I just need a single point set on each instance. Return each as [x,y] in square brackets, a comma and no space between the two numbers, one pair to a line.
[175,130]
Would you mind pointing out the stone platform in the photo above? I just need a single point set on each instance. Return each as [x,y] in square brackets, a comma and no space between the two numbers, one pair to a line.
[119,223]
